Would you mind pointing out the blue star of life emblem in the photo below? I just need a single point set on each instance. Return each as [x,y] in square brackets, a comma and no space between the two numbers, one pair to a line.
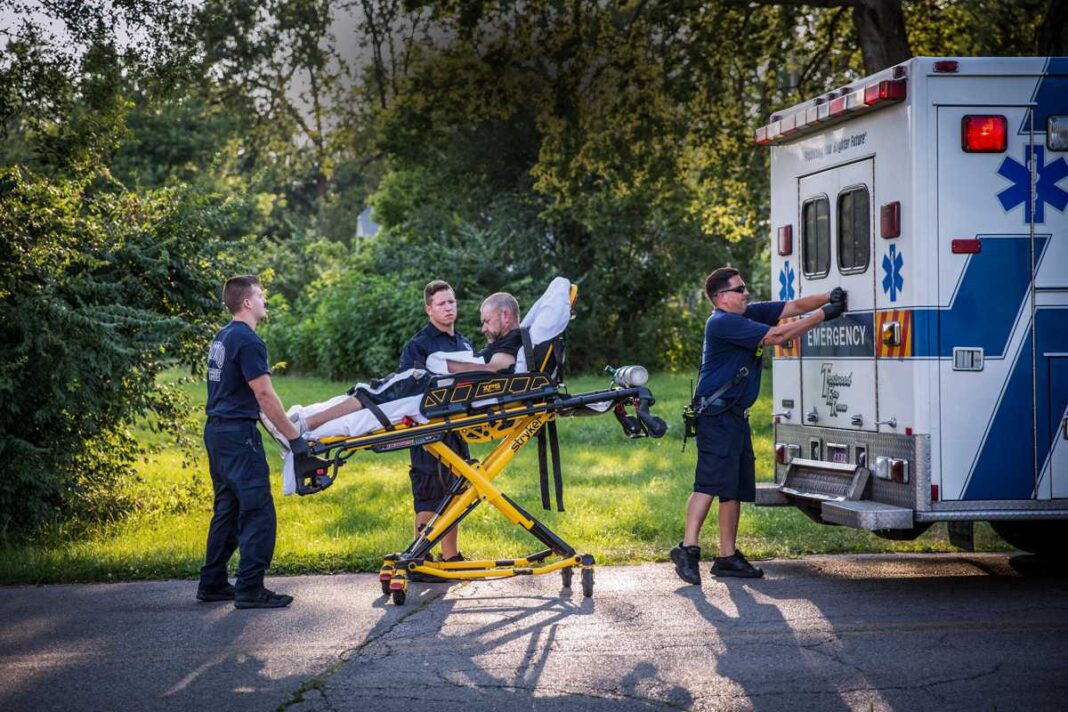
[892,279]
[786,282]
[1046,188]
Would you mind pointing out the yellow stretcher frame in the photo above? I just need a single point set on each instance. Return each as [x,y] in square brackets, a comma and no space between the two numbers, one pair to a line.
[514,425]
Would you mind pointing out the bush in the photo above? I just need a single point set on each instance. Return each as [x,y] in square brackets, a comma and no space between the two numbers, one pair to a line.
[99,291]
[352,326]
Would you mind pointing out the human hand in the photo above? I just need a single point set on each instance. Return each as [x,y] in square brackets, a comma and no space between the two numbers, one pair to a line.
[833,310]
[299,446]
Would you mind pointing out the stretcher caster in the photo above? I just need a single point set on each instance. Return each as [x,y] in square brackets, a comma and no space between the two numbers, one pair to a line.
[384,583]
[566,574]
[587,582]
[399,597]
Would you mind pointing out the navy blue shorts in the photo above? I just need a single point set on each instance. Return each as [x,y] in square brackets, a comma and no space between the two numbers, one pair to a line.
[432,480]
[726,466]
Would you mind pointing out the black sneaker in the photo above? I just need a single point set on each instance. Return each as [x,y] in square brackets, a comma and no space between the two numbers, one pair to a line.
[262,599]
[736,566]
[453,559]
[208,595]
[687,561]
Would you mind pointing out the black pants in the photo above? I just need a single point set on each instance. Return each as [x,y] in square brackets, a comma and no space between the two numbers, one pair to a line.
[244,515]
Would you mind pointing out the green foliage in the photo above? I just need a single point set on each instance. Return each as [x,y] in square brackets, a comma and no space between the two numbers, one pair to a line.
[99,292]
[353,328]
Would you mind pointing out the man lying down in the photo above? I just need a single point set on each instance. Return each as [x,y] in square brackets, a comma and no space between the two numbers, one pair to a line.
[398,395]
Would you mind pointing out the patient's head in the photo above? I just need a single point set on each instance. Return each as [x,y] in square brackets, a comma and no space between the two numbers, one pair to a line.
[500,314]
[440,303]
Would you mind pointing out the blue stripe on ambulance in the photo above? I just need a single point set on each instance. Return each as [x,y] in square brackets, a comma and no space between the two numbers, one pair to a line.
[972,318]
[1005,467]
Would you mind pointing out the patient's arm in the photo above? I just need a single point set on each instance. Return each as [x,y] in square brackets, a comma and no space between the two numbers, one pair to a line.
[345,407]
[498,362]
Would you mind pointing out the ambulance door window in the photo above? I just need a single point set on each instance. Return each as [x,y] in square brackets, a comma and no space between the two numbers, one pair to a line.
[854,230]
[816,237]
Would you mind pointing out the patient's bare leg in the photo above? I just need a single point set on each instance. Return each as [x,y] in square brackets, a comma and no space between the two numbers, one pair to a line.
[346,407]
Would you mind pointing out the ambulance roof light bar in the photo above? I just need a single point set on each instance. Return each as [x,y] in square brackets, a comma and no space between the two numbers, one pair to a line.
[831,108]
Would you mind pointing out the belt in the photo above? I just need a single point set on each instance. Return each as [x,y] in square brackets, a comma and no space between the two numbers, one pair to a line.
[219,420]
[718,405]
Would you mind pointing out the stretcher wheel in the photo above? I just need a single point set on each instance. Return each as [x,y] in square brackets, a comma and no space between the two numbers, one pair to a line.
[385,586]
[398,597]
[566,574]
[587,582]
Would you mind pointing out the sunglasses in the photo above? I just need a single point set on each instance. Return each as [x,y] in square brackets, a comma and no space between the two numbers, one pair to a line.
[741,289]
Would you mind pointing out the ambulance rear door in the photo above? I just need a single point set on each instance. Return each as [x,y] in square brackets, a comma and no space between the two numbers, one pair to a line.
[838,366]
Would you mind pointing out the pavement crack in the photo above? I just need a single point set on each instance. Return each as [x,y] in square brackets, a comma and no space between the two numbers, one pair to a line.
[318,682]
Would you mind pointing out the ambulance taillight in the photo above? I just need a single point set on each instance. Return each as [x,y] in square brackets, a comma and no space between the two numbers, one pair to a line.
[786,452]
[984,134]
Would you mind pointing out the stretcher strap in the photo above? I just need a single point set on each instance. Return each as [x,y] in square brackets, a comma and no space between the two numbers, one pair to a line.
[548,433]
[528,351]
[365,400]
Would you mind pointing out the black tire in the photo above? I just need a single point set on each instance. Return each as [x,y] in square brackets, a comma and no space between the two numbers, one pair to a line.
[566,575]
[385,587]
[1044,537]
[587,582]
[398,597]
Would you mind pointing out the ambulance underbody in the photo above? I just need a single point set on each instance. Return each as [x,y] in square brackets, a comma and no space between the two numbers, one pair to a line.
[935,193]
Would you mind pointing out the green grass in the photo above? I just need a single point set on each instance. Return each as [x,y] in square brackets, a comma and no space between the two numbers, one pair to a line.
[624,500]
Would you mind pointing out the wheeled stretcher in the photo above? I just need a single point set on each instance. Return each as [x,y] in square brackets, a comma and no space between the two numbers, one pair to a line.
[512,410]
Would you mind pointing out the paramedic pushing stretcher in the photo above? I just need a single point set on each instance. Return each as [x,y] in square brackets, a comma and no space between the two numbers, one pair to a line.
[729,383]
[239,387]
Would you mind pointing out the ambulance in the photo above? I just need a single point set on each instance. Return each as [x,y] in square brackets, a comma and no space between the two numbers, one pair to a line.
[934,192]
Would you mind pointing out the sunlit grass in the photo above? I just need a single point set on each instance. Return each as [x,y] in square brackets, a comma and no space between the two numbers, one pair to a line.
[624,503]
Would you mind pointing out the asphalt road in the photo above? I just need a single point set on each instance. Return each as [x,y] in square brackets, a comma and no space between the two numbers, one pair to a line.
[945,632]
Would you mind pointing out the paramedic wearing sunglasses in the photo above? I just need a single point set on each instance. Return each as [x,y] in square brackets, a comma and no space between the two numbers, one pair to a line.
[239,387]
[729,382]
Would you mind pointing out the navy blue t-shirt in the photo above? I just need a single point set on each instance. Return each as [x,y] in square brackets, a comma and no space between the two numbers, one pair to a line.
[428,340]
[236,356]
[731,341]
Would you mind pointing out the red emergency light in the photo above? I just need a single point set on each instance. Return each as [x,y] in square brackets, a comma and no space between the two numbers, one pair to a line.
[786,239]
[984,134]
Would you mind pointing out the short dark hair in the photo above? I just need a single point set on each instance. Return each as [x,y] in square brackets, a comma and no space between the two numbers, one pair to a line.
[432,288]
[237,290]
[719,279]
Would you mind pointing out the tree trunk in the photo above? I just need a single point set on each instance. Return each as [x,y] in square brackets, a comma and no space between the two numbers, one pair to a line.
[880,26]
[1053,37]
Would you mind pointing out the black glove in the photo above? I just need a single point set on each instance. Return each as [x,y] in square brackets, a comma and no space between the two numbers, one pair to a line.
[838,295]
[833,310]
[299,446]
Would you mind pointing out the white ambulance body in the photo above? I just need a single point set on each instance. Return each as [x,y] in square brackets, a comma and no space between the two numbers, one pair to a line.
[935,193]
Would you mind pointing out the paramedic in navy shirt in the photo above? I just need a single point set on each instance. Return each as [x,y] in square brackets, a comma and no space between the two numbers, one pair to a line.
[239,387]
[430,482]
[734,335]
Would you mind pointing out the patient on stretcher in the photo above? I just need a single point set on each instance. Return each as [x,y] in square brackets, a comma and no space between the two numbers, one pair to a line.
[368,406]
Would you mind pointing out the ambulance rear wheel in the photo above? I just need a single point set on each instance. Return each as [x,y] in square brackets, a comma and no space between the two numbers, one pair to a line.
[1043,537]
[398,597]
[566,574]
[587,582]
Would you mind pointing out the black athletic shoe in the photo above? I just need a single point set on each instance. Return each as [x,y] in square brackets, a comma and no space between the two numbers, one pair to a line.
[453,559]
[262,599]
[208,595]
[687,562]
[736,566]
